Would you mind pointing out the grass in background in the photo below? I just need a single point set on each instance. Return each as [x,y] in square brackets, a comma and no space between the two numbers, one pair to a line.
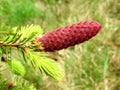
[93,65]
[20,12]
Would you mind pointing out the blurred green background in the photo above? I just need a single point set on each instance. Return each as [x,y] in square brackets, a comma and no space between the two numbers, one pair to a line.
[93,65]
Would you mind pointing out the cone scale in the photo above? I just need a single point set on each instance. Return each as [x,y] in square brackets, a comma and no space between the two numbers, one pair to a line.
[70,35]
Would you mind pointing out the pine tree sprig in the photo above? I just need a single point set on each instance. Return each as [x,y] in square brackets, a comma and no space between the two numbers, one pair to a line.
[16,67]
[22,37]
[28,40]
[46,65]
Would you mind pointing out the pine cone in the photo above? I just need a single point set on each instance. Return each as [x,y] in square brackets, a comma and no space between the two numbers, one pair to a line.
[69,35]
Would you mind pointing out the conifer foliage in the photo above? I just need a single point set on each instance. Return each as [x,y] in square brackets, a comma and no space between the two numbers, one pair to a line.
[29,44]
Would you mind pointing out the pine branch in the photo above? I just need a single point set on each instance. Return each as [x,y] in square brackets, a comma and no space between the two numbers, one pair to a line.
[24,40]
[16,67]
[29,42]
[46,65]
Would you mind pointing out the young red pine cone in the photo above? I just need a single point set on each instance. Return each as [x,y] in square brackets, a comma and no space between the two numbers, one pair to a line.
[69,35]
